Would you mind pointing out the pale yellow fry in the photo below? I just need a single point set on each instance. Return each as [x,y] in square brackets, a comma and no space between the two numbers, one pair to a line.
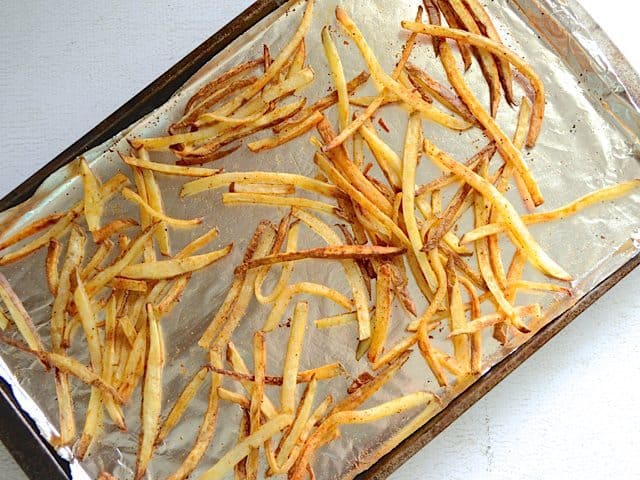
[169,169]
[413,100]
[263,199]
[337,73]
[51,265]
[31,229]
[151,393]
[242,449]
[285,274]
[409,164]
[461,345]
[292,357]
[223,180]
[154,200]
[491,319]
[158,215]
[93,200]
[351,270]
[517,228]
[92,424]
[303,412]
[19,315]
[234,397]
[164,269]
[263,188]
[302,288]
[183,401]
[257,397]
[337,320]
[602,195]
[389,161]
[238,365]
[145,219]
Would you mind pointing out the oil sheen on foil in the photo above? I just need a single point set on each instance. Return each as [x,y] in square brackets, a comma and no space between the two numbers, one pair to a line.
[586,143]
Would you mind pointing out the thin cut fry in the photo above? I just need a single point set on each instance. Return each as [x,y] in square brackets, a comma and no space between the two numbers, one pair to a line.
[31,229]
[112,228]
[93,200]
[135,198]
[382,314]
[19,315]
[51,265]
[169,169]
[263,188]
[337,73]
[286,135]
[292,357]
[263,199]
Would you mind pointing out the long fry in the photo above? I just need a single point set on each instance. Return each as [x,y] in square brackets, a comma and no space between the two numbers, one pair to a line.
[292,357]
[337,73]
[19,315]
[31,229]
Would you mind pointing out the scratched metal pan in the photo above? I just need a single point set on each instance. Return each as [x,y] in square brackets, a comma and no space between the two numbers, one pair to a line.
[577,49]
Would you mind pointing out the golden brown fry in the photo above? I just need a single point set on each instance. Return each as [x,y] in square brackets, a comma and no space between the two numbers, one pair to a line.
[151,393]
[31,229]
[157,214]
[263,199]
[257,396]
[169,169]
[234,397]
[93,200]
[387,159]
[120,283]
[112,228]
[92,424]
[337,73]
[521,235]
[461,345]
[452,19]
[262,188]
[493,318]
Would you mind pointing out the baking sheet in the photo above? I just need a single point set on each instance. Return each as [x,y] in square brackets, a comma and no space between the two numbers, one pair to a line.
[586,143]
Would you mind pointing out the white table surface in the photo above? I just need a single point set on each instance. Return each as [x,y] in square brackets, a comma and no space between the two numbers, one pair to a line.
[568,412]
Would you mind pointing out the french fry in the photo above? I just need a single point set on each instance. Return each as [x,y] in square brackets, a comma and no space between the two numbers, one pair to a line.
[382,314]
[605,194]
[257,397]
[207,427]
[234,397]
[238,365]
[169,169]
[493,318]
[151,394]
[263,199]
[222,180]
[387,159]
[164,269]
[262,188]
[486,61]
[93,200]
[337,73]
[112,228]
[181,404]
[242,449]
[286,135]
[452,20]
[132,252]
[521,235]
[31,229]
[501,52]
[51,265]
[352,272]
[337,320]
[461,345]
[292,357]
[92,424]
[19,315]
[285,274]
[157,214]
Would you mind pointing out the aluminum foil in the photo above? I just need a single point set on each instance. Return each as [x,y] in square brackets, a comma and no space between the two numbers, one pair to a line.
[588,141]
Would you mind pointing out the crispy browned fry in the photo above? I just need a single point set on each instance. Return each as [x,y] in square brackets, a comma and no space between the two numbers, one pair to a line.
[286,135]
[51,265]
[112,228]
[452,20]
[151,393]
[217,83]
[521,235]
[164,269]
[332,252]
[504,53]
[324,372]
[92,424]
[464,267]
[207,427]
[483,21]
[264,199]
[31,229]
[486,61]
[135,360]
[322,104]
[193,155]
[383,312]
[443,94]
[272,178]
[19,315]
